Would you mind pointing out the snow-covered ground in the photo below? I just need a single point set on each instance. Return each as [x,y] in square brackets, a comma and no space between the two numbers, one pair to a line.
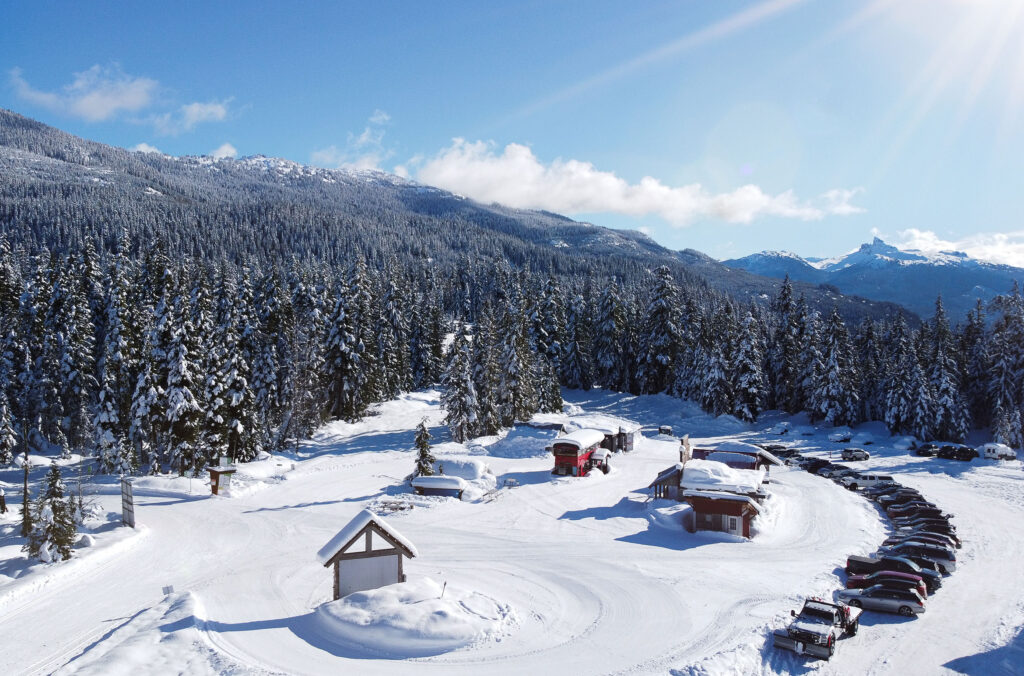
[555,575]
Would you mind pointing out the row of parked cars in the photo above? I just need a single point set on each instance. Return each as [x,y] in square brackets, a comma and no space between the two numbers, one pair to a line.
[950,451]
[898,578]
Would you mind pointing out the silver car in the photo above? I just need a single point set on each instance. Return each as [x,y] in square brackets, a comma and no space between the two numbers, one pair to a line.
[905,602]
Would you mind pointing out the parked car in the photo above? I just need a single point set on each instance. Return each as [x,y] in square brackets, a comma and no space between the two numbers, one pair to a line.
[816,628]
[956,452]
[945,559]
[831,470]
[900,497]
[914,520]
[903,601]
[921,536]
[863,480]
[875,492]
[864,565]
[840,436]
[994,451]
[814,464]
[913,508]
[855,454]
[926,450]
[889,578]
[947,534]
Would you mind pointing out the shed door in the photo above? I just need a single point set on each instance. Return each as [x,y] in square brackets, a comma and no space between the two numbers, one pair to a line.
[369,573]
[734,525]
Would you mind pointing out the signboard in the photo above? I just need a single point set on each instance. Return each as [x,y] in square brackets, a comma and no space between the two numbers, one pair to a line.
[127,503]
[225,484]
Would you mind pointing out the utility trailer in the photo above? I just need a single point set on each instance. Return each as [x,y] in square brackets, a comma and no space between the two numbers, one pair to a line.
[815,630]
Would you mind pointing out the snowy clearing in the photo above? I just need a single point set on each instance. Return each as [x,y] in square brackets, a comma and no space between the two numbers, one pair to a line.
[555,575]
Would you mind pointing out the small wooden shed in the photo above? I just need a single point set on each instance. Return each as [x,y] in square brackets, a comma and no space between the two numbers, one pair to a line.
[444,485]
[722,511]
[366,554]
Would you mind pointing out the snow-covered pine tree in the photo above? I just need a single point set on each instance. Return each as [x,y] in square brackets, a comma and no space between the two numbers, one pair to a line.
[834,397]
[8,438]
[424,458]
[1006,427]
[975,349]
[577,359]
[899,397]
[107,424]
[342,360]
[949,410]
[549,392]
[183,418]
[868,350]
[54,526]
[486,373]
[609,329]
[715,392]
[784,352]
[748,371]
[661,339]
[518,388]
[459,398]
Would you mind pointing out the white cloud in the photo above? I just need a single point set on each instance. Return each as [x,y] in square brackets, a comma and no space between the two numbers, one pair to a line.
[996,247]
[145,148]
[364,150]
[94,95]
[516,178]
[225,150]
[189,115]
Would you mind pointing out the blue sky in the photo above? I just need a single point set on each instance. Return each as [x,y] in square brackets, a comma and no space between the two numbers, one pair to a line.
[724,126]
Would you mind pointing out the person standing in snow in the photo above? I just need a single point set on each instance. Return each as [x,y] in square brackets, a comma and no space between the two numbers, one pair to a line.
[3,502]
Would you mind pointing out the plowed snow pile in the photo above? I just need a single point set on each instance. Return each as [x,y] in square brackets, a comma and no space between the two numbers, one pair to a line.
[415,618]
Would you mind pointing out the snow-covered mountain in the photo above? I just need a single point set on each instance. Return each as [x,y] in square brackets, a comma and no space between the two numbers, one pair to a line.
[55,187]
[880,271]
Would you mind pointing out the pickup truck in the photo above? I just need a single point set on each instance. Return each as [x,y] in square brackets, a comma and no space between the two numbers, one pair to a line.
[815,629]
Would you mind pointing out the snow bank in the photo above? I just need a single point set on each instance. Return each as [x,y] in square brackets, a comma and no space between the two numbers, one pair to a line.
[162,639]
[413,619]
[522,442]
[450,483]
[470,469]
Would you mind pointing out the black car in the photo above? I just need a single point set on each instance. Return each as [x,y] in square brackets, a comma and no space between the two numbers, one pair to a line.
[926,450]
[931,561]
[922,519]
[912,508]
[927,534]
[922,536]
[956,452]
[887,500]
[878,490]
[856,565]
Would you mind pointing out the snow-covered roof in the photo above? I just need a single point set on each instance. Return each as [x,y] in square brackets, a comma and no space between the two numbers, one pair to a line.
[353,528]
[601,454]
[581,438]
[442,481]
[721,495]
[730,456]
[733,446]
[712,475]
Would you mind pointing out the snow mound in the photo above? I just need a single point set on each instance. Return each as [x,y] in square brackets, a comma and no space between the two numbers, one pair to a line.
[522,442]
[719,476]
[470,469]
[413,619]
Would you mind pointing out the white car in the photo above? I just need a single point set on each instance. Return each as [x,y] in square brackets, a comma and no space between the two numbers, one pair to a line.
[865,480]
[840,437]
[994,451]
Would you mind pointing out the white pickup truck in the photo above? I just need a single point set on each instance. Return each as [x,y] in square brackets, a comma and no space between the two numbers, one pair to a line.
[816,628]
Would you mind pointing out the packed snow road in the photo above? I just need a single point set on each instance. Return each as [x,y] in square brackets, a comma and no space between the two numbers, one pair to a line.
[592,580]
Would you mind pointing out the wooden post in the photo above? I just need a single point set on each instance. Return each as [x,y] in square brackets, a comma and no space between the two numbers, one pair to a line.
[337,580]
[401,575]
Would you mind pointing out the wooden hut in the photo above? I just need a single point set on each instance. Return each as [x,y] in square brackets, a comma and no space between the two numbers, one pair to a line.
[721,511]
[366,554]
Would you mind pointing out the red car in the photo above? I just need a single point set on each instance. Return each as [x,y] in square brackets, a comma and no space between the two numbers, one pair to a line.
[888,578]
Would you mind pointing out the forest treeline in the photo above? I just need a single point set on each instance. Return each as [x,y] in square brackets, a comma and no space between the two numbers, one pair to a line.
[163,364]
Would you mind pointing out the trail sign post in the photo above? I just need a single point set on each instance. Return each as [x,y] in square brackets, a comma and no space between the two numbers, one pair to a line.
[127,503]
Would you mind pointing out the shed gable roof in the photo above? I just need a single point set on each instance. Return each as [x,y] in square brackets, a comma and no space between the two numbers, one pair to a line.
[356,528]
